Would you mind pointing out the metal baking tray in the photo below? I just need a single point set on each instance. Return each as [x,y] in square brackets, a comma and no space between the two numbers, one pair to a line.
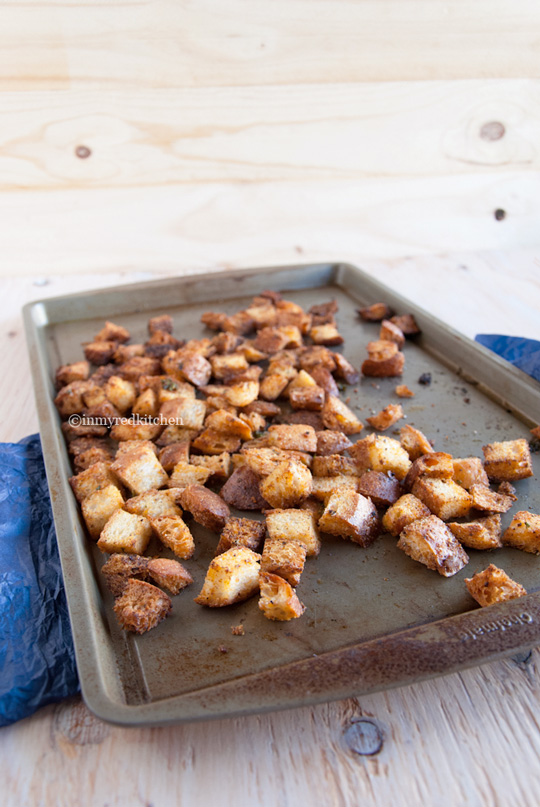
[374,618]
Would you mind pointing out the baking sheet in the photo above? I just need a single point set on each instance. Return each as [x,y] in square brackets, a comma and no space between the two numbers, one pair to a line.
[374,618]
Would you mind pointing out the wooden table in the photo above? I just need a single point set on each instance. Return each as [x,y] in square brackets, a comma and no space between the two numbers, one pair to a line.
[471,738]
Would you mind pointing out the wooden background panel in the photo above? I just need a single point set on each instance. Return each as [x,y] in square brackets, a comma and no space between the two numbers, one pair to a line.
[177,43]
[268,133]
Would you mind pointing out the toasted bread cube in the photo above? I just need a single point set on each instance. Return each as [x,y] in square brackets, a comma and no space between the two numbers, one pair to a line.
[141,606]
[211,441]
[100,353]
[135,429]
[304,398]
[163,322]
[284,558]
[70,399]
[508,460]
[242,393]
[380,453]
[139,469]
[326,334]
[125,532]
[429,541]
[331,442]
[295,437]
[169,574]
[213,320]
[172,454]
[482,533]
[337,416]
[146,404]
[241,490]
[406,323]
[325,380]
[444,498]
[406,510]
[334,465]
[119,568]
[173,532]
[403,391]
[390,332]
[225,365]
[385,367]
[185,474]
[98,476]
[287,485]
[98,507]
[294,525]
[383,489]
[121,393]
[138,366]
[124,353]
[78,371]
[112,332]
[317,356]
[241,532]
[469,471]
[176,434]
[486,499]
[301,380]
[96,454]
[382,349]
[223,421]
[278,599]
[272,386]
[386,417]
[154,503]
[523,532]
[186,412]
[350,515]
[375,312]
[218,465]
[437,465]
[345,370]
[264,460]
[206,507]
[232,577]
[493,585]
[324,486]
[414,442]
[135,447]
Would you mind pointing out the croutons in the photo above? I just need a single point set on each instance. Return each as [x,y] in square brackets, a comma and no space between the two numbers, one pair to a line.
[469,471]
[185,474]
[486,499]
[121,393]
[170,455]
[295,437]
[241,532]
[206,507]
[98,507]
[278,599]
[383,489]
[437,465]
[139,469]
[169,574]
[294,525]
[97,477]
[429,541]
[66,373]
[508,460]
[493,585]
[334,465]
[119,568]
[414,442]
[217,465]
[350,515]
[384,368]
[287,485]
[375,312]
[482,533]
[284,558]
[403,391]
[324,486]
[523,532]
[142,606]
[331,442]
[125,532]
[337,416]
[154,503]
[241,490]
[173,532]
[406,510]
[232,577]
[187,412]
[444,498]
[380,453]
[386,417]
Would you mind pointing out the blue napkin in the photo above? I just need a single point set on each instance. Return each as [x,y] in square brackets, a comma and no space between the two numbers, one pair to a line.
[523,353]
[37,660]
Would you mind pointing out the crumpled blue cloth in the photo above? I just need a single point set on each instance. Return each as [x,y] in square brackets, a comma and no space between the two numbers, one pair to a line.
[523,353]
[37,659]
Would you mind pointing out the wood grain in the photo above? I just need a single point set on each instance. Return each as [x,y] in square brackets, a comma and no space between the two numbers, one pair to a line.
[167,43]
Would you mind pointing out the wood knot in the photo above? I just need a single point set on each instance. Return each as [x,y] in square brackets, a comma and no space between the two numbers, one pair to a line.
[83,152]
[493,130]
[364,737]
[75,724]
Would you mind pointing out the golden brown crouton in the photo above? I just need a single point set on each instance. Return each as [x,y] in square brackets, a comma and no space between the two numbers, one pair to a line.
[217,465]
[383,489]
[403,391]
[486,499]
[173,532]
[241,532]
[273,385]
[99,353]
[390,332]
[265,460]
[523,532]
[345,370]
[331,442]
[135,429]
[350,515]
[154,503]
[429,541]
[146,405]
[223,421]
[66,373]
[444,498]
[326,334]
[406,510]
[278,599]
[295,437]
[317,356]
[125,532]
[124,353]
[242,393]
[482,533]
[185,474]
[163,322]
[174,453]
[386,417]
[241,490]
[85,459]
[294,525]
[375,312]
[187,412]
[506,489]
[337,416]
[231,577]
[139,469]
[384,368]
[74,432]
[142,606]
[407,324]
[284,558]
[324,380]
[139,366]
[334,465]
[414,442]
[311,398]
[112,332]
[437,465]
[98,507]
[119,568]
[508,460]
[380,453]
[169,574]
[228,363]
[98,476]
[120,392]
[469,471]
[176,434]
[211,441]
[213,320]
[493,585]
[381,349]
[206,507]
[70,400]
[287,485]
[324,486]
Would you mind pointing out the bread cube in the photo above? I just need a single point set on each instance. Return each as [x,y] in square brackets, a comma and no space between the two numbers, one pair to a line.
[99,506]
[414,442]
[242,393]
[138,366]
[284,558]
[264,460]
[227,364]
[287,485]
[334,465]
[186,412]
[78,371]
[444,498]
[217,465]
[141,606]
[337,416]
[382,349]
[384,367]
[170,455]
[169,574]
[493,585]
[139,469]
[125,532]
[469,471]
[437,465]
[486,499]
[429,541]
[206,507]
[482,533]
[331,442]
[113,332]
[223,421]
[241,532]
[390,332]
[70,399]
[406,510]
[311,398]
[136,429]
[100,353]
[301,380]
[146,405]
[121,393]
[239,323]
[294,525]
[345,370]
[119,568]
[154,503]
[185,474]
[403,391]
[96,454]
[508,460]
[278,599]
[232,577]
[326,334]
[383,489]
[386,417]
[380,453]
[241,490]
[350,515]
[295,437]
[98,476]
[176,434]
[325,380]
[375,312]
[324,486]
[173,532]
[523,532]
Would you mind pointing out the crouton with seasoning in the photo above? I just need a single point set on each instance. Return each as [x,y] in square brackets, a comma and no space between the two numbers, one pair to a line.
[486,499]
[406,510]
[351,515]
[331,442]
[469,471]
[287,485]
[295,437]
[66,373]
[493,585]
[444,498]
[135,429]
[482,533]
[141,606]
[187,412]
[345,370]
[391,333]
[384,367]
[169,574]
[406,323]
[206,507]
[523,532]
[146,404]
[403,391]
[414,442]
[284,558]
[211,441]
[375,312]
[279,600]
[326,334]
[294,524]
[173,453]
[70,399]
[508,460]
[217,465]
[383,489]
[437,465]
[241,490]
[125,532]
[121,393]
[324,486]
[334,465]
[241,532]
[386,417]
[232,577]
[98,507]
[97,477]
[174,533]
[184,474]
[429,541]
[380,453]
[139,469]
[154,503]
[337,416]
[100,353]
[119,568]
